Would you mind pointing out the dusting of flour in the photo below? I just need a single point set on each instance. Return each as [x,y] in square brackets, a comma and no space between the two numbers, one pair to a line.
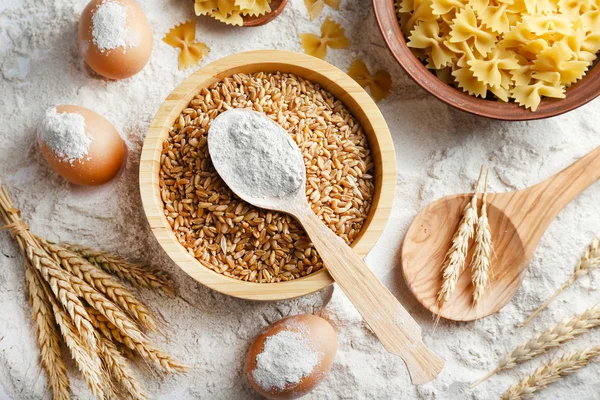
[109,26]
[285,360]
[65,134]
[255,156]
[439,152]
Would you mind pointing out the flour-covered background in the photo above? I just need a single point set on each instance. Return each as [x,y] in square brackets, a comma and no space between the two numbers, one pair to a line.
[439,152]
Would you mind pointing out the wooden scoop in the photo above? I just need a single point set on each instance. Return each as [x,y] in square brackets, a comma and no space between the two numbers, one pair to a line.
[392,324]
[517,222]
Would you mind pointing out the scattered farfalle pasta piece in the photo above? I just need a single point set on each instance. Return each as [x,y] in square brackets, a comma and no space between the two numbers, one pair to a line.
[183,37]
[379,84]
[519,50]
[332,35]
[314,7]
[231,11]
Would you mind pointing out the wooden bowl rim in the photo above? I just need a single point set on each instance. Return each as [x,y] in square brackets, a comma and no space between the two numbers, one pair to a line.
[578,94]
[313,69]
[260,20]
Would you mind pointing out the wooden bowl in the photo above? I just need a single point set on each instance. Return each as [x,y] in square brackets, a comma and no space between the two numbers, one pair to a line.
[329,77]
[577,95]
[277,7]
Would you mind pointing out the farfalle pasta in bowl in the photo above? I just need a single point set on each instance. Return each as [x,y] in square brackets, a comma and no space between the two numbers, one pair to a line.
[504,59]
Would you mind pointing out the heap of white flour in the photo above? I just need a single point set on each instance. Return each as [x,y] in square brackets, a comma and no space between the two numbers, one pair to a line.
[255,156]
[439,152]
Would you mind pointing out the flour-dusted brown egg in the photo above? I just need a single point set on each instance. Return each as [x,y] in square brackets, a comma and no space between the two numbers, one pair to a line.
[81,145]
[291,357]
[115,38]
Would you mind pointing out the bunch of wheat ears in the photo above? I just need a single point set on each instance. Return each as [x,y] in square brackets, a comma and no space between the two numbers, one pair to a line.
[76,301]
[471,226]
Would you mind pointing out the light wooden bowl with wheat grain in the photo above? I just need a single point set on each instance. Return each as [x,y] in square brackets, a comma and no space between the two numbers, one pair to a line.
[330,78]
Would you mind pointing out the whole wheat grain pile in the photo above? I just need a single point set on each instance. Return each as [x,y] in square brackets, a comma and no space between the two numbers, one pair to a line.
[235,239]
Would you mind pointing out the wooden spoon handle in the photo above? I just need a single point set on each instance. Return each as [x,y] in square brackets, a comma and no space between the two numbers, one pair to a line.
[393,325]
[560,189]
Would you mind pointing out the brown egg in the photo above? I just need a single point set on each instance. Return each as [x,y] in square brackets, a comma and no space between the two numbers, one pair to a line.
[106,155]
[115,38]
[291,357]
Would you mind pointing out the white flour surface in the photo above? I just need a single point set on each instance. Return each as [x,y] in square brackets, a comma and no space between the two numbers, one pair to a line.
[439,152]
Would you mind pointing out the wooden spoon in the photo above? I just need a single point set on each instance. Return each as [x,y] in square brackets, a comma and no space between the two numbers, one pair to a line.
[277,7]
[393,325]
[517,222]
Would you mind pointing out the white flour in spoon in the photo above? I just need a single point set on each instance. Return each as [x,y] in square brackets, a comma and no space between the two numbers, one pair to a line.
[258,158]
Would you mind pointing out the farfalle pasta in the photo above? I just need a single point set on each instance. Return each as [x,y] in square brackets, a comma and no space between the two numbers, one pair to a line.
[520,50]
[183,36]
[231,12]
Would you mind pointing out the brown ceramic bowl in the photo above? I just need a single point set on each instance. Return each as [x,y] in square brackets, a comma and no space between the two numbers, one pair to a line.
[577,95]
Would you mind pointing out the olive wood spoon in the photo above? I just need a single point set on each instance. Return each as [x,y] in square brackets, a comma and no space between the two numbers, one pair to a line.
[517,222]
[392,324]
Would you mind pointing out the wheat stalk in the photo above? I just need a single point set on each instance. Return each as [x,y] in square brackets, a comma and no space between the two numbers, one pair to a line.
[137,275]
[119,369]
[457,254]
[588,262]
[102,282]
[130,334]
[549,339]
[551,372]
[480,263]
[86,358]
[57,279]
[47,336]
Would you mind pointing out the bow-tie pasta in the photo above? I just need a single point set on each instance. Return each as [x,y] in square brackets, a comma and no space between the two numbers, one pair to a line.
[519,50]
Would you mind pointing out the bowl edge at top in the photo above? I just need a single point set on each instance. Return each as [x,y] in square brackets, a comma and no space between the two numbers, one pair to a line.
[318,71]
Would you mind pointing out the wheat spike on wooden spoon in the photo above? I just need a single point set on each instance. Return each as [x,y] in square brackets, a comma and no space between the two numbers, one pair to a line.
[549,339]
[480,264]
[457,254]
[551,372]
[588,262]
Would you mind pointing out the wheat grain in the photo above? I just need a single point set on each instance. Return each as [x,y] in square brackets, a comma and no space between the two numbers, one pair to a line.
[551,372]
[482,256]
[117,365]
[236,239]
[588,262]
[457,254]
[549,339]
[135,274]
[101,281]
[47,336]
[86,358]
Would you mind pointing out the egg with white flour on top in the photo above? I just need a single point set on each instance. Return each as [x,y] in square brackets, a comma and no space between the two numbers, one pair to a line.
[80,145]
[115,38]
[291,357]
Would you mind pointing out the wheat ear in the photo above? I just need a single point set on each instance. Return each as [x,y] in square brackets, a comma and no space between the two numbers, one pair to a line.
[47,336]
[57,278]
[137,275]
[119,369]
[86,358]
[588,262]
[457,254]
[480,263]
[551,372]
[102,282]
[130,335]
[549,339]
